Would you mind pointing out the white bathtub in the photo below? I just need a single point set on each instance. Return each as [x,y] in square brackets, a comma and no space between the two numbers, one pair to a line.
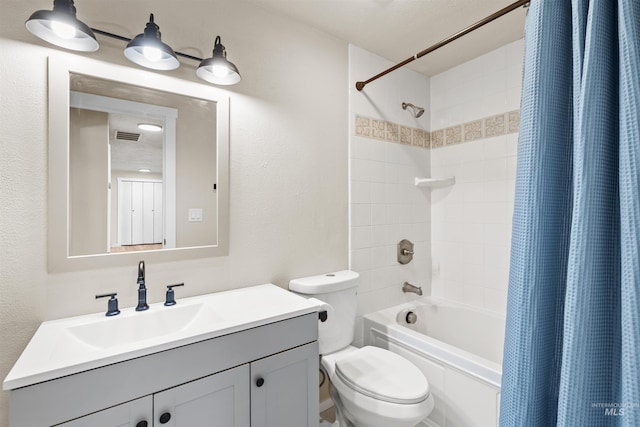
[457,347]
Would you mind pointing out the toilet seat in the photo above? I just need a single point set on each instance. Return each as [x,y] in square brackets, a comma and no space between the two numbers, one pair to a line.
[382,375]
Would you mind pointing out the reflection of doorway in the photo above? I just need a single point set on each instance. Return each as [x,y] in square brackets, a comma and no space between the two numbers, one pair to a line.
[140,219]
[124,160]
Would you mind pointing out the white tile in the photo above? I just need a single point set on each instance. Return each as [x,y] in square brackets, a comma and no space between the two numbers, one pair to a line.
[378,171]
[495,234]
[473,295]
[495,169]
[496,300]
[511,191]
[379,214]
[360,215]
[515,52]
[360,192]
[379,235]
[472,171]
[512,165]
[361,237]
[512,144]
[360,148]
[378,192]
[379,257]
[361,259]
[494,61]
[496,256]
[495,278]
[495,147]
[392,172]
[495,82]
[391,193]
[494,191]
[378,150]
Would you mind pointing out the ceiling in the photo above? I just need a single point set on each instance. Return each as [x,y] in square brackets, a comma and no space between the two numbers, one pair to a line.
[398,29]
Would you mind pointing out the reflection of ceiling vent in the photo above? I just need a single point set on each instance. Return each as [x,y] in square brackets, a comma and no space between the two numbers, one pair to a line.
[127,136]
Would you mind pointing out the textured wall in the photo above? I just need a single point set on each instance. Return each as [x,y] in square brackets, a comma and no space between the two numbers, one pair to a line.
[288,195]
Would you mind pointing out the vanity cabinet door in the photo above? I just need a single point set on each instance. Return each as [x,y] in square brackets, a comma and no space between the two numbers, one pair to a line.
[284,388]
[137,413]
[219,400]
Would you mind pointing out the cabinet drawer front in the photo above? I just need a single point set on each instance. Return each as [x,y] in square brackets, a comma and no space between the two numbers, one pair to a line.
[130,414]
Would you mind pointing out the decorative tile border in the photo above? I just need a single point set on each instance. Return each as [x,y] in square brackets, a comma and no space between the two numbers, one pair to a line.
[487,127]
[392,132]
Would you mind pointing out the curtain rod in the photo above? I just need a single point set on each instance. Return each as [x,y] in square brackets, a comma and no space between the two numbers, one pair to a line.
[498,14]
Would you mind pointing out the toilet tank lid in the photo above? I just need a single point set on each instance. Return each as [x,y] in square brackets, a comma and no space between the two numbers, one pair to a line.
[325,283]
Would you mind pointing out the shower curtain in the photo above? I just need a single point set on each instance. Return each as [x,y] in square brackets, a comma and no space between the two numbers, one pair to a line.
[572,344]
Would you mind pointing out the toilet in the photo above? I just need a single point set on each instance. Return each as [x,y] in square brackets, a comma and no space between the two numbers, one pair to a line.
[375,387]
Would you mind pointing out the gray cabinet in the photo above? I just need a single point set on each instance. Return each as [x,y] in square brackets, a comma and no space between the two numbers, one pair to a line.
[208,383]
[284,389]
[282,392]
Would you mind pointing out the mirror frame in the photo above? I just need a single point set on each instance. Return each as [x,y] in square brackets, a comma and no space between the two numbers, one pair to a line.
[60,68]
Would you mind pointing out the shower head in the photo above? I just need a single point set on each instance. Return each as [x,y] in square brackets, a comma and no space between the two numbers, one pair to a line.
[417,111]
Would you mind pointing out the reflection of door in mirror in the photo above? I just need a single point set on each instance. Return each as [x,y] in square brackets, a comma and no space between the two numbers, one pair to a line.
[117,183]
[139,213]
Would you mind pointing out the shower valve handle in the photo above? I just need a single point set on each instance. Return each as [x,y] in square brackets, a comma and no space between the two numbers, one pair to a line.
[407,252]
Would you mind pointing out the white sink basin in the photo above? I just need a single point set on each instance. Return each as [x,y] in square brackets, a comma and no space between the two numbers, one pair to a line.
[68,346]
[136,327]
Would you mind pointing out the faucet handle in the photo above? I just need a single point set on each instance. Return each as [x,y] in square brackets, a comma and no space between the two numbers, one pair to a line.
[140,280]
[171,297]
[112,307]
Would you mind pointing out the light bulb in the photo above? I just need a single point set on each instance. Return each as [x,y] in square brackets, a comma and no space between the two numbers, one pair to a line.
[152,53]
[62,30]
[220,71]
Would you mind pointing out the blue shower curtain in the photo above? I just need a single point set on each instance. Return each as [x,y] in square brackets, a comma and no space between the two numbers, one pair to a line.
[572,344]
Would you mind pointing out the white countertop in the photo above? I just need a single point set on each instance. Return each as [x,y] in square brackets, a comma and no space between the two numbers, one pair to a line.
[55,351]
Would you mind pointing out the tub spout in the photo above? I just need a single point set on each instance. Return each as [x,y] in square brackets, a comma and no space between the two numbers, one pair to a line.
[408,287]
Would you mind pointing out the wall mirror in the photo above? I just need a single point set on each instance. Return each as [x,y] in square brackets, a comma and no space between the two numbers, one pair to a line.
[138,166]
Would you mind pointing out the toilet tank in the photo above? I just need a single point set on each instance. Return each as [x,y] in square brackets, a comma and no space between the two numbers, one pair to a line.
[339,290]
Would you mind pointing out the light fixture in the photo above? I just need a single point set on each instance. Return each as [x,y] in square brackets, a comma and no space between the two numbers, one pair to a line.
[218,69]
[144,170]
[150,127]
[61,27]
[147,49]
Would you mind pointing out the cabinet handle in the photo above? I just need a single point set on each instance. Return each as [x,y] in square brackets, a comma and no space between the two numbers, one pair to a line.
[142,424]
[164,418]
[260,382]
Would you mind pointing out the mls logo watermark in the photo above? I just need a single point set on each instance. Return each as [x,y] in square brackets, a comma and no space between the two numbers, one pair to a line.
[616,409]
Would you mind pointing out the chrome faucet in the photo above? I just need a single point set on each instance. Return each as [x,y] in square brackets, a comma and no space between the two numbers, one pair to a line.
[408,287]
[142,289]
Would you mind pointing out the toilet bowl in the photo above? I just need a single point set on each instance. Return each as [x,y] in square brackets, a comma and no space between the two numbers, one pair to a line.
[375,387]
[378,388]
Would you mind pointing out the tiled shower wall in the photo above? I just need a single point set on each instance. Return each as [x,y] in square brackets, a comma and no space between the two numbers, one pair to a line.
[474,122]
[388,148]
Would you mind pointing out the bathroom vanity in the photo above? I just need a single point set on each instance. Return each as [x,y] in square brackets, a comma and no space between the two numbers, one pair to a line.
[247,357]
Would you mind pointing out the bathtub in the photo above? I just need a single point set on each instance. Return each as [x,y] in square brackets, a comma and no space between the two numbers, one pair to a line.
[457,347]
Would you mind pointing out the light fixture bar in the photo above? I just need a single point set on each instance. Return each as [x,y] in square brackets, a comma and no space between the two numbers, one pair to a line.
[127,39]
[61,27]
